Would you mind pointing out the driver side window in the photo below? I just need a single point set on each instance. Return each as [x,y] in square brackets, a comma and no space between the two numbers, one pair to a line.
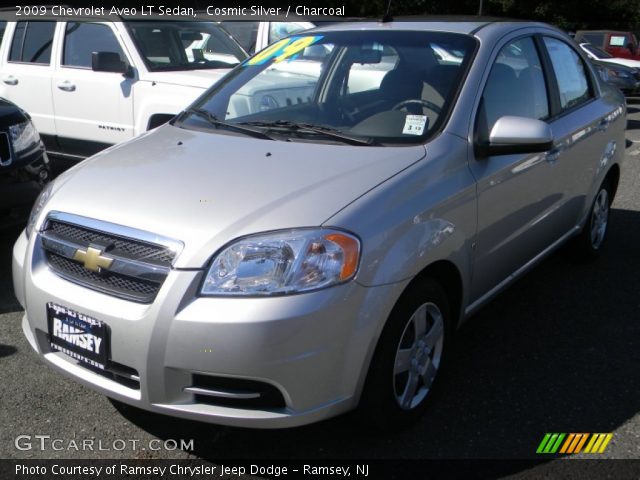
[82,39]
[515,86]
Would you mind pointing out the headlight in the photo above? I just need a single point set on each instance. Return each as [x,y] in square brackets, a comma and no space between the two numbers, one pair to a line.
[618,73]
[41,201]
[283,262]
[23,136]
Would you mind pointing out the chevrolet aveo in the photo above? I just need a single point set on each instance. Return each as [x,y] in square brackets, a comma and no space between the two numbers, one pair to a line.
[308,235]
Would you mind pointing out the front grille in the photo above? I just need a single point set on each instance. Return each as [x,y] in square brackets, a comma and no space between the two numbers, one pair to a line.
[126,247]
[137,269]
[111,283]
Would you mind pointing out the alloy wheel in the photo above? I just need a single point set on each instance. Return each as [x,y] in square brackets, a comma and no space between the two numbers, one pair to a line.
[418,356]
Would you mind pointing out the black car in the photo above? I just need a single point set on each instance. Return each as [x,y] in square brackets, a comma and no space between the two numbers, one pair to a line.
[24,166]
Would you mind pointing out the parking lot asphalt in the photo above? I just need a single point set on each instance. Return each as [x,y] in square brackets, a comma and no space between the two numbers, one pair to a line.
[557,352]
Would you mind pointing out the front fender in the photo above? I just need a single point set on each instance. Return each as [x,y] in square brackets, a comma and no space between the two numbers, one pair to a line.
[422,215]
[157,98]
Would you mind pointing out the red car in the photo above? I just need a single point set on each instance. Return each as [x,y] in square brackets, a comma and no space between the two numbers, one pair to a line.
[618,43]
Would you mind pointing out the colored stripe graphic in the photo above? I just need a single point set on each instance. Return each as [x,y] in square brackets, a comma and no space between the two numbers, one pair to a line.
[592,441]
[598,443]
[543,443]
[567,443]
[550,443]
[573,443]
[605,442]
[578,443]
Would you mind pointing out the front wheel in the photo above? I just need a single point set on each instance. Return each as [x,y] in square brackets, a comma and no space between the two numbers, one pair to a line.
[408,358]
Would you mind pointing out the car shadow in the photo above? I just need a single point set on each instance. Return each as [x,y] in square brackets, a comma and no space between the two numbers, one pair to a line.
[557,352]
[7,350]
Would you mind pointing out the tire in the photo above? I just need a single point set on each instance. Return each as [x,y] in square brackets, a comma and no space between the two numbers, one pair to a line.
[403,362]
[592,239]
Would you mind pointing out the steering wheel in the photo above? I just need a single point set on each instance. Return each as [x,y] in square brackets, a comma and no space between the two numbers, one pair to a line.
[425,103]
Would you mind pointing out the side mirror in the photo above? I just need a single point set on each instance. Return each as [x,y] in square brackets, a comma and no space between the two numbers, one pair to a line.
[517,135]
[109,62]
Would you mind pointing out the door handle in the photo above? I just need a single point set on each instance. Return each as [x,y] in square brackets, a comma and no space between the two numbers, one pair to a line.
[10,80]
[67,86]
[552,156]
[603,125]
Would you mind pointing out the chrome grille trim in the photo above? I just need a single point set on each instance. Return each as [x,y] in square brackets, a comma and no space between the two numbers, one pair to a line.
[126,233]
[124,266]
[222,393]
[140,263]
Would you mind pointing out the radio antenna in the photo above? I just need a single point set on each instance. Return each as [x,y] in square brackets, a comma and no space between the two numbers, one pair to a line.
[387,16]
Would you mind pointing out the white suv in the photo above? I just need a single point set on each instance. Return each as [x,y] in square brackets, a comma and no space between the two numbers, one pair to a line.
[90,84]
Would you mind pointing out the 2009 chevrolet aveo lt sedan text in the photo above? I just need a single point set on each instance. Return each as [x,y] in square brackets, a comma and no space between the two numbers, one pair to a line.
[308,235]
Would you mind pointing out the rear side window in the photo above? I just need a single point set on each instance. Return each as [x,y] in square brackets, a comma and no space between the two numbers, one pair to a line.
[571,73]
[245,33]
[3,26]
[618,41]
[594,38]
[82,39]
[32,42]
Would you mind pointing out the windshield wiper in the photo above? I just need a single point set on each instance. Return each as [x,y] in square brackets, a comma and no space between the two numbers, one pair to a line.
[216,122]
[310,127]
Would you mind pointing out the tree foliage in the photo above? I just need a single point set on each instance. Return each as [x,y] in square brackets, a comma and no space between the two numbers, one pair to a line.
[566,14]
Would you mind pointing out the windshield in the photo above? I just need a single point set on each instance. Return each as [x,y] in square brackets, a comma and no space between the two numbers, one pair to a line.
[597,52]
[381,86]
[185,45]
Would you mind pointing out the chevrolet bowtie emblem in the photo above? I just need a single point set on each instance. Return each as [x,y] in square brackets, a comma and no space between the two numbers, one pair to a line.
[92,259]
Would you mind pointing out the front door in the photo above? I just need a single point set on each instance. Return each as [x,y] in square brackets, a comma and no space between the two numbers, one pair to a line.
[93,109]
[518,194]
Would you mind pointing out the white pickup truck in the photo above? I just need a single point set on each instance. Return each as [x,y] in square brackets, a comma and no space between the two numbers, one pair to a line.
[88,84]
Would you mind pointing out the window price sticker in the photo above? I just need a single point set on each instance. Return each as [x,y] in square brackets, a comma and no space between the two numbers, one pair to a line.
[414,124]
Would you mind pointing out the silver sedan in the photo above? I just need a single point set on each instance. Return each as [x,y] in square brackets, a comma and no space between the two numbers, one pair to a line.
[309,234]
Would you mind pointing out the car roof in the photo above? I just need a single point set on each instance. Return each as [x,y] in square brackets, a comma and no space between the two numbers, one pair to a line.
[603,31]
[454,24]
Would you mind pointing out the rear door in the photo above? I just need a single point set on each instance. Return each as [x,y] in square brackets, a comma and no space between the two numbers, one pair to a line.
[527,203]
[580,124]
[26,71]
[93,109]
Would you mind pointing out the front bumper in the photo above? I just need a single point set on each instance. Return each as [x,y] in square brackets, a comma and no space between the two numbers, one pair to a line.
[312,348]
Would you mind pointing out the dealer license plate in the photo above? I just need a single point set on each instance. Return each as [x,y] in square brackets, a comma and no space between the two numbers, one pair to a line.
[78,335]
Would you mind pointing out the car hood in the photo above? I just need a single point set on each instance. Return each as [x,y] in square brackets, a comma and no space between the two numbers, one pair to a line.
[206,189]
[627,62]
[191,78]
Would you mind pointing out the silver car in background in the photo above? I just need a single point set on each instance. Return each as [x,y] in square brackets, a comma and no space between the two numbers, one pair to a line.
[305,239]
